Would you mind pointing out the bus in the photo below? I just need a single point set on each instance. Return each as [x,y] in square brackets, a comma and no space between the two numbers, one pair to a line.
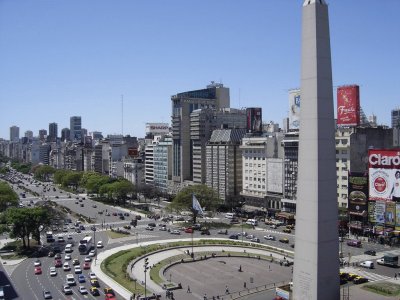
[85,245]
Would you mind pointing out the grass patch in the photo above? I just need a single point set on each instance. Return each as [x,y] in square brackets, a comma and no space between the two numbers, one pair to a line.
[12,256]
[115,235]
[383,288]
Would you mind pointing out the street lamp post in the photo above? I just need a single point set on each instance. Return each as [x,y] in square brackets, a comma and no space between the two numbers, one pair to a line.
[242,230]
[146,267]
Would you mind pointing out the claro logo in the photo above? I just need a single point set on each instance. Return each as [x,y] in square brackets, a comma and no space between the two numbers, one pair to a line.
[384,160]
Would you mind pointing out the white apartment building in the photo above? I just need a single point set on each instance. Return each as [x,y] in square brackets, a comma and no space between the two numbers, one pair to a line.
[342,137]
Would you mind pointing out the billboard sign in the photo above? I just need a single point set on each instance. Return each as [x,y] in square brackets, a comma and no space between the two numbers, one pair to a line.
[348,105]
[397,216]
[254,119]
[294,109]
[390,213]
[358,193]
[384,174]
[371,211]
[157,128]
[380,207]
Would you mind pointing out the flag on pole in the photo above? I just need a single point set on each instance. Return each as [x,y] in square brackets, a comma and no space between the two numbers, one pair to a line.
[196,205]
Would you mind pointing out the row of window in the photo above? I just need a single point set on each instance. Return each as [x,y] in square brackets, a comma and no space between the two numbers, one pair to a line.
[255,165]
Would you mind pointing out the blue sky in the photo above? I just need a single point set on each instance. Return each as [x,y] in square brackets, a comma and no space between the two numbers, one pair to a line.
[64,58]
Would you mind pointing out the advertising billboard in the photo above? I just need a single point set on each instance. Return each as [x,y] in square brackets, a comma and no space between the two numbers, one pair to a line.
[390,213]
[397,216]
[380,207]
[358,193]
[384,174]
[294,109]
[371,212]
[348,105]
[133,152]
[157,128]
[254,119]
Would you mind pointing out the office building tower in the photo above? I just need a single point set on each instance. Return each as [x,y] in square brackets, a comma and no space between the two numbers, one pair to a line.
[65,134]
[29,134]
[42,135]
[14,133]
[75,128]
[215,96]
[316,266]
[53,132]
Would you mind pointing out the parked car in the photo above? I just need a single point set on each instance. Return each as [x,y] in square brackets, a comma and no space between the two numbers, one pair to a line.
[177,232]
[370,252]
[269,237]
[284,240]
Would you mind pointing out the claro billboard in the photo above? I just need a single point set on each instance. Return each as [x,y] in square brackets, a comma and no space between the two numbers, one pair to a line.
[348,105]
[384,174]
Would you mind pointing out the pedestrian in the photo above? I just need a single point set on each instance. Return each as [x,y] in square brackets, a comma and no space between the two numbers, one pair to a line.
[205,297]
[245,285]
[188,290]
[226,290]
[395,276]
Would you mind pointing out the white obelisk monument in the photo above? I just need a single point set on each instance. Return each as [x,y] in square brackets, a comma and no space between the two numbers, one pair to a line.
[316,263]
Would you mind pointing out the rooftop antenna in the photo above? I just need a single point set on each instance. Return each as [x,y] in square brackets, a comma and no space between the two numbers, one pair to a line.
[122,114]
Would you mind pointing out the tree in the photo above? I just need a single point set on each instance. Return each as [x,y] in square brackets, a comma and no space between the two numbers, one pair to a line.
[43,172]
[121,189]
[72,179]
[59,176]
[8,198]
[206,196]
[93,181]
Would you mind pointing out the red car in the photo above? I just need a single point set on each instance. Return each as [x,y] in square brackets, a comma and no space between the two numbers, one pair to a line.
[189,230]
[38,270]
[110,297]
[58,263]
[86,266]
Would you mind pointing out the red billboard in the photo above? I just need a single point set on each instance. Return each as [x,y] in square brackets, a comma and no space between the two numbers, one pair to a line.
[254,119]
[348,105]
[133,152]
[384,174]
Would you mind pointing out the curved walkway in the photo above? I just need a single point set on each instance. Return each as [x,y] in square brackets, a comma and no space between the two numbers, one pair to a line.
[137,269]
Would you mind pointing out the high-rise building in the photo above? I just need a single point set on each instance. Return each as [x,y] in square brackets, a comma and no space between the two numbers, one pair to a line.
[65,134]
[215,96]
[29,134]
[53,132]
[42,135]
[316,267]
[395,118]
[75,127]
[14,133]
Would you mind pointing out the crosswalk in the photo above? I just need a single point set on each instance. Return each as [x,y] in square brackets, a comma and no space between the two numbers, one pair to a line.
[365,273]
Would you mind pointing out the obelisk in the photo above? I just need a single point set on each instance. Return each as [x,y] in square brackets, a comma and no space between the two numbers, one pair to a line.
[316,263]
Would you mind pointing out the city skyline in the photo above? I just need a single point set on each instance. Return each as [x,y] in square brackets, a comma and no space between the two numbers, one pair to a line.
[76,59]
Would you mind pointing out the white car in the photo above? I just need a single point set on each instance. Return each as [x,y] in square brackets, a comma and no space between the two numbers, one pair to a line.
[82,290]
[53,271]
[66,267]
[92,275]
[99,244]
[37,263]
[269,237]
[67,257]
[78,270]
[88,259]
[175,232]
[71,280]
[92,253]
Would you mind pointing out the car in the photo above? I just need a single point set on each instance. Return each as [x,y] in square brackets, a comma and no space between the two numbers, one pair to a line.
[65,229]
[37,263]
[77,270]
[94,282]
[367,264]
[234,236]
[359,280]
[57,256]
[177,232]
[284,240]
[152,224]
[107,214]
[100,212]
[189,230]
[351,276]
[76,202]
[94,206]
[380,261]
[127,227]
[51,254]
[82,205]
[81,278]
[75,262]
[149,228]
[81,227]
[67,257]
[255,240]
[92,253]
[94,291]
[114,214]
[287,230]
[138,217]
[71,280]
[83,290]
[92,275]
[88,259]
[126,214]
[109,290]
[205,231]
[58,263]
[67,289]
[86,265]
[222,231]
[273,226]
[47,295]
[66,266]
[122,217]
[69,237]
[77,230]
[269,237]
[250,236]
[163,228]
[109,297]
[38,270]
[370,252]
[53,271]
[99,244]
[60,239]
